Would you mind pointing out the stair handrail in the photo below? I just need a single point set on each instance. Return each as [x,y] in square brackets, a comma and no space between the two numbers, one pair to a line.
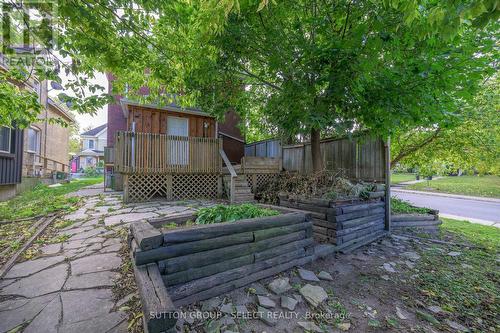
[232,172]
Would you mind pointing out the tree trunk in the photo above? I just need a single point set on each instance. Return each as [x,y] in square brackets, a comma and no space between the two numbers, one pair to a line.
[317,161]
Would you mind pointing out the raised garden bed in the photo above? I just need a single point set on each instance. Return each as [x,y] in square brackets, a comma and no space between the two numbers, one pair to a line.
[348,224]
[428,223]
[190,263]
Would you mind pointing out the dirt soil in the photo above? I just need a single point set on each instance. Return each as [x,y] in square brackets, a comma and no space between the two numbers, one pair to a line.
[371,291]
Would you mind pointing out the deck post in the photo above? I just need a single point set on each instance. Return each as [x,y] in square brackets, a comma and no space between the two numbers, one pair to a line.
[169,187]
[125,188]
[219,186]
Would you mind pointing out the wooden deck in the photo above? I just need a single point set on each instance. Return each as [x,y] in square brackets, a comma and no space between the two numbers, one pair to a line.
[148,153]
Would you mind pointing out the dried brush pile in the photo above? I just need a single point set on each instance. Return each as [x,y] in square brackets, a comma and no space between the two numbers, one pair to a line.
[325,184]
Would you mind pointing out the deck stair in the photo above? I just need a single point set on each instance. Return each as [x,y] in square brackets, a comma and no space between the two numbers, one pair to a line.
[242,191]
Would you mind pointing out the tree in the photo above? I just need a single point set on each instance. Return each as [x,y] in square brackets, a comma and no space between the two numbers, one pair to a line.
[307,66]
[470,143]
[19,103]
[74,139]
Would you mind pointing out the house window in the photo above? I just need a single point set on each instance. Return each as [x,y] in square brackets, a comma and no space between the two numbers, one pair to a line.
[33,140]
[90,161]
[91,144]
[5,139]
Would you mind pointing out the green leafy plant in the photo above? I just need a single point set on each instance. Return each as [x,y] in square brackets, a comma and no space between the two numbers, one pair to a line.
[402,207]
[90,172]
[225,213]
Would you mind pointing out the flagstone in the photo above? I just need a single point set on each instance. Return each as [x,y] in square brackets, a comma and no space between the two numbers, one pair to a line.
[18,315]
[95,263]
[80,305]
[126,218]
[90,280]
[32,266]
[41,283]
[47,320]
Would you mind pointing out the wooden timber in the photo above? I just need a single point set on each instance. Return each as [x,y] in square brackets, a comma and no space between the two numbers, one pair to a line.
[157,307]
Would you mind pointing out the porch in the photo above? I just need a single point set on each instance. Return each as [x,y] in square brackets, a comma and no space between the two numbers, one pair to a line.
[175,167]
[182,167]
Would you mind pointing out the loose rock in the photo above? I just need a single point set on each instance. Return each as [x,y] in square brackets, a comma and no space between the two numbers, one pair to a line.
[258,289]
[325,276]
[279,286]
[227,308]
[211,304]
[307,275]
[388,267]
[456,326]
[288,303]
[266,316]
[314,295]
[309,326]
[266,301]
[401,314]
[435,309]
[413,256]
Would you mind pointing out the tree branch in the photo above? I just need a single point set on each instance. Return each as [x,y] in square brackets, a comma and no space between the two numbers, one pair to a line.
[267,83]
[413,148]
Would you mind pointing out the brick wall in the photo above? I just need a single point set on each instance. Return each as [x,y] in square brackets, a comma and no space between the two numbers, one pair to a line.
[230,125]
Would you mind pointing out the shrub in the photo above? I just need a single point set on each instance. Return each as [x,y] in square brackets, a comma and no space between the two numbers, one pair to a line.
[90,172]
[224,213]
[402,207]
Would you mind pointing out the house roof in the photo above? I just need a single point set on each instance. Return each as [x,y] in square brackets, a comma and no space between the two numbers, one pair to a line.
[91,152]
[95,131]
[61,108]
[171,107]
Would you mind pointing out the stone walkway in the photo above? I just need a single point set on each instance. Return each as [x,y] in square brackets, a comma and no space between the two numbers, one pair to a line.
[68,287]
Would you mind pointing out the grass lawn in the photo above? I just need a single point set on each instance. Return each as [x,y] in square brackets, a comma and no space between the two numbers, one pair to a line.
[38,201]
[43,199]
[481,186]
[397,178]
[467,286]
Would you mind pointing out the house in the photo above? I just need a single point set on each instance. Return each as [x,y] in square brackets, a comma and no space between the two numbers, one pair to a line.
[46,144]
[38,153]
[93,143]
[11,159]
[169,151]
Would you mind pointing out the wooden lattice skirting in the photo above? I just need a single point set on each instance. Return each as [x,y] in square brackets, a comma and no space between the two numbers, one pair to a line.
[257,180]
[143,187]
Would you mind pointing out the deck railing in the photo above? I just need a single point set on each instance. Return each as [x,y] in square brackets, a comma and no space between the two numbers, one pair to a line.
[158,153]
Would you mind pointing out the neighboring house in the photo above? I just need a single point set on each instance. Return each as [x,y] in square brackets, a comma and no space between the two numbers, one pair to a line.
[93,143]
[38,152]
[46,144]
[11,159]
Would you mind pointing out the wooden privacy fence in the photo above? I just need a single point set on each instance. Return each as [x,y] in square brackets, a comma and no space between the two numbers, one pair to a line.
[265,148]
[359,158]
[149,153]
